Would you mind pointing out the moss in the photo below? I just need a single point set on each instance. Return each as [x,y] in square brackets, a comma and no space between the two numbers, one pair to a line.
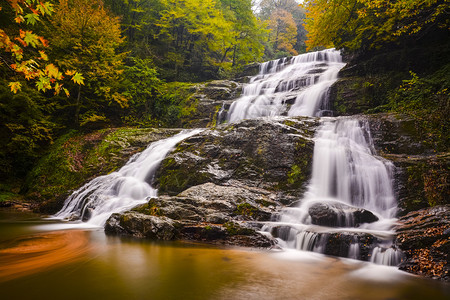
[245,209]
[428,184]
[264,203]
[235,229]
[213,118]
[295,175]
[151,208]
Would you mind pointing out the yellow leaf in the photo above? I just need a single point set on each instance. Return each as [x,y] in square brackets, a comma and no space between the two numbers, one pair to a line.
[15,86]
[78,78]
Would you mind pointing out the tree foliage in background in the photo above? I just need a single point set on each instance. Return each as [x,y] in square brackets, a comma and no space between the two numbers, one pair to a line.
[362,24]
[285,20]
[85,37]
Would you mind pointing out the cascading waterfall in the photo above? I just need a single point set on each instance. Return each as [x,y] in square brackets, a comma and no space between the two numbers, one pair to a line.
[350,194]
[122,190]
[295,86]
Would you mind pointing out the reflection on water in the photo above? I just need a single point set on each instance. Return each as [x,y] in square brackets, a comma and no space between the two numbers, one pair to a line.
[34,253]
[75,264]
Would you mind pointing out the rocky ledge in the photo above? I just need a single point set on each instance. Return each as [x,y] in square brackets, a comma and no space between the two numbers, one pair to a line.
[424,237]
[208,213]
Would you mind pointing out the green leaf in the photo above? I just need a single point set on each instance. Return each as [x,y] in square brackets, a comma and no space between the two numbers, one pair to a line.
[43,83]
[32,18]
[31,39]
[78,78]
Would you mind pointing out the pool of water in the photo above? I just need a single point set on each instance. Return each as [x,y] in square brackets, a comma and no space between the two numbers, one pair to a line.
[38,262]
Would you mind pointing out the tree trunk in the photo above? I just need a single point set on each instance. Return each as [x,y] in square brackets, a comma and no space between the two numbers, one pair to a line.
[77,108]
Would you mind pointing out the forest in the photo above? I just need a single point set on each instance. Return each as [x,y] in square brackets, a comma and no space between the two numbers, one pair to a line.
[80,65]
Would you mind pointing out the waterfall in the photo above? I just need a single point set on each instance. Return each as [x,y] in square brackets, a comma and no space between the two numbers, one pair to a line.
[295,86]
[122,190]
[349,195]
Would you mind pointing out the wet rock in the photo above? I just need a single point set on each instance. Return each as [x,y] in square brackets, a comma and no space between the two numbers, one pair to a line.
[207,213]
[336,243]
[275,155]
[339,215]
[141,226]
[424,237]
[210,98]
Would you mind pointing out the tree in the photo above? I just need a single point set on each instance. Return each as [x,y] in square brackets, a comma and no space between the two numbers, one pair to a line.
[249,33]
[285,19]
[23,51]
[195,33]
[283,31]
[85,38]
[363,24]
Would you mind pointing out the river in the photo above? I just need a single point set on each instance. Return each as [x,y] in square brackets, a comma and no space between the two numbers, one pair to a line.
[37,262]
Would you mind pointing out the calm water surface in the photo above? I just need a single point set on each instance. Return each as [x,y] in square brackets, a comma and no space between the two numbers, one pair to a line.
[38,262]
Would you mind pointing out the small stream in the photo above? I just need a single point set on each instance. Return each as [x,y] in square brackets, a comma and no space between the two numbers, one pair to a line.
[87,264]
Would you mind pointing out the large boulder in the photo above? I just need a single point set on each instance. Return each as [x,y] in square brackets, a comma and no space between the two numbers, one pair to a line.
[339,215]
[424,237]
[356,245]
[274,154]
[141,226]
[207,212]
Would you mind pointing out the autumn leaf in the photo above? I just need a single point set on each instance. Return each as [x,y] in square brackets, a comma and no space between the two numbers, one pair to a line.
[43,84]
[78,78]
[15,86]
[31,39]
[52,71]
[19,19]
[43,41]
[43,55]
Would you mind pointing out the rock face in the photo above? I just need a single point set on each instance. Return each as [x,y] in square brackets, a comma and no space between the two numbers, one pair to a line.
[141,226]
[210,98]
[339,215]
[218,186]
[420,174]
[424,237]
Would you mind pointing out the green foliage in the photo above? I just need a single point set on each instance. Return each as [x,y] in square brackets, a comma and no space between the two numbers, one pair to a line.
[426,100]
[24,130]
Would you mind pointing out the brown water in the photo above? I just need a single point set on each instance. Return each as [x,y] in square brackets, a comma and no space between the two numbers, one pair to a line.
[86,264]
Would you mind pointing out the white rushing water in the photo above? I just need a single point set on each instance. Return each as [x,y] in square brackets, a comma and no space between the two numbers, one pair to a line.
[294,86]
[346,176]
[122,190]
